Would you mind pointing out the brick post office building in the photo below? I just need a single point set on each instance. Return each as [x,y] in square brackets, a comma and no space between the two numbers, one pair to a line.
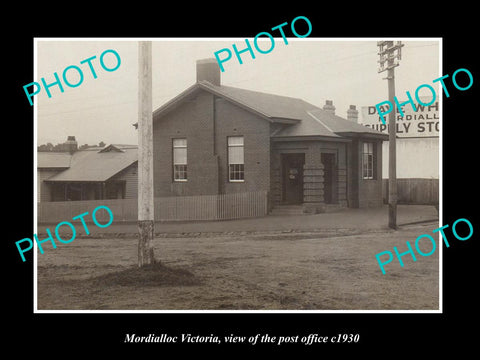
[216,139]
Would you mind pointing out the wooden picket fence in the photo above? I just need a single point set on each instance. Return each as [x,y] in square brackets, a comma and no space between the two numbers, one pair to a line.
[178,208]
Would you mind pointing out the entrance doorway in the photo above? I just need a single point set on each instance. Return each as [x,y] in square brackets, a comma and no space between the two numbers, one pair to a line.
[292,176]
[328,161]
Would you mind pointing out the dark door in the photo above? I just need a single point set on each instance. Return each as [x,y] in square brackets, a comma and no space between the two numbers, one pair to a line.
[328,161]
[292,169]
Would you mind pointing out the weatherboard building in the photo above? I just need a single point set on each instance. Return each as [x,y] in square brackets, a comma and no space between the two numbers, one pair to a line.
[95,173]
[216,139]
[417,150]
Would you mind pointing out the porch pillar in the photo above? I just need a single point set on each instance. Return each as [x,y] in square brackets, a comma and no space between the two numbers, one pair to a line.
[342,186]
[313,188]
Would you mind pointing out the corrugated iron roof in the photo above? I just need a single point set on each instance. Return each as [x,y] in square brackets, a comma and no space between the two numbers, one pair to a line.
[96,166]
[53,160]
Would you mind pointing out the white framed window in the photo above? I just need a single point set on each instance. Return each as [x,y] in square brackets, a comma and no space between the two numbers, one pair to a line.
[180,159]
[368,160]
[236,164]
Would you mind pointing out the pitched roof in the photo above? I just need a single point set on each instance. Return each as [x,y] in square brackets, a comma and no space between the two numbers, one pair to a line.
[300,117]
[323,123]
[53,160]
[97,166]
[274,107]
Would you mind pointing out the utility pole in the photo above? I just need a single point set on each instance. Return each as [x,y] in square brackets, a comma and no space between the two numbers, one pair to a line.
[389,51]
[145,156]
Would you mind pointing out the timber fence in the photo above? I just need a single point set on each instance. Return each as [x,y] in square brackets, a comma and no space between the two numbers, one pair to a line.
[177,208]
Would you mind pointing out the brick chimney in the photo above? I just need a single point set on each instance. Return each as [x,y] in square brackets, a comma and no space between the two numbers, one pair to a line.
[352,114]
[208,69]
[71,144]
[329,107]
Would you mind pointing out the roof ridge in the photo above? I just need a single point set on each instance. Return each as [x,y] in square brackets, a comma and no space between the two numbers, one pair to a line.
[261,92]
[306,118]
[321,122]
[293,108]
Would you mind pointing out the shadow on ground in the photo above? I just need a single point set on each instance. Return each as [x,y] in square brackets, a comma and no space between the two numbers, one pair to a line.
[150,275]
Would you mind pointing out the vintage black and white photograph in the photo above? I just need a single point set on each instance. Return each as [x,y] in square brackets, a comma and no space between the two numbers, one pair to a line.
[238,175]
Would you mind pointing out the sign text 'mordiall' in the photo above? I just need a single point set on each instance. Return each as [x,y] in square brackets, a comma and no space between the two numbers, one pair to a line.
[424,122]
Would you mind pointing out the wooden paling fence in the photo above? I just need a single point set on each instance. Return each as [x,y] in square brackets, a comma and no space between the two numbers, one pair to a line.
[179,208]
[414,191]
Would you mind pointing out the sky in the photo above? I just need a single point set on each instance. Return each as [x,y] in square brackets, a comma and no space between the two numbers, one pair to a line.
[313,69]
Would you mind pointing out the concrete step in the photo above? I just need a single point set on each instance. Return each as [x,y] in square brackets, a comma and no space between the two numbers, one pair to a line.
[330,208]
[298,209]
[287,210]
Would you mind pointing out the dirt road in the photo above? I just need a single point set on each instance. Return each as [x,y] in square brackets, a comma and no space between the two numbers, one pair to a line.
[267,271]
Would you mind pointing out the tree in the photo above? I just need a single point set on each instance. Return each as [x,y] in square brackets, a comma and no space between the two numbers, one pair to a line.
[45,147]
